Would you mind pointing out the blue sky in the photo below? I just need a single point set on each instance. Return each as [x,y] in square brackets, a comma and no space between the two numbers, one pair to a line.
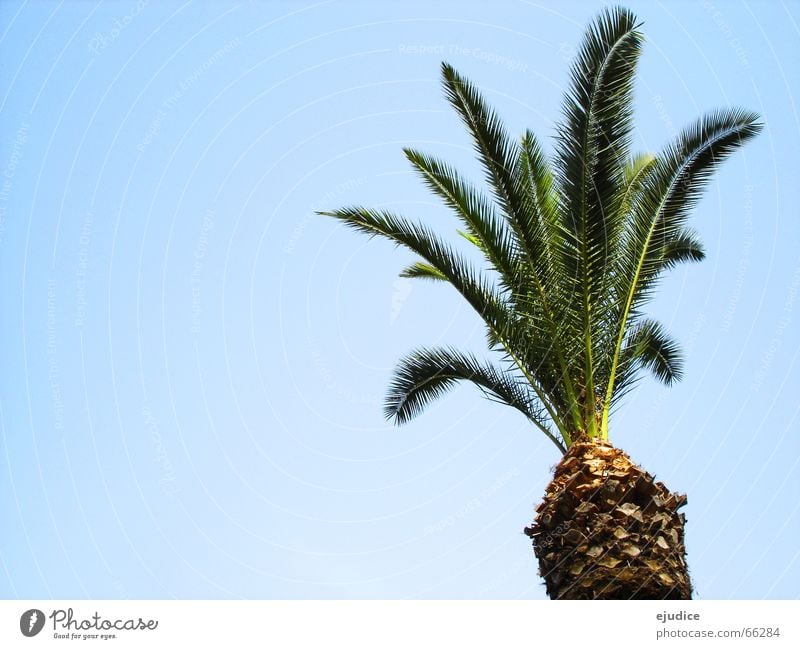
[194,364]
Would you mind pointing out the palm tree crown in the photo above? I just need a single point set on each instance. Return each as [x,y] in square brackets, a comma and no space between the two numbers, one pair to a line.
[575,243]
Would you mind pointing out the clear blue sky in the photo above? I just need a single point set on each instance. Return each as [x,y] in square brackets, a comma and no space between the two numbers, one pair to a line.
[193,364]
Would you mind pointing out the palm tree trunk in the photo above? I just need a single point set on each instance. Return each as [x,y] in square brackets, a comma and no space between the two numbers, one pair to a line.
[607,530]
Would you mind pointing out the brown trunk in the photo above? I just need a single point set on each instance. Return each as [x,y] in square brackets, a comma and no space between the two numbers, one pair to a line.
[607,530]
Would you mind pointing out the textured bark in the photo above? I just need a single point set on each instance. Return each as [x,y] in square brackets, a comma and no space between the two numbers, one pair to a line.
[607,530]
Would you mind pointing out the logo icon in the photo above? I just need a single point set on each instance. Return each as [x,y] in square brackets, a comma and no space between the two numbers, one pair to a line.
[31,622]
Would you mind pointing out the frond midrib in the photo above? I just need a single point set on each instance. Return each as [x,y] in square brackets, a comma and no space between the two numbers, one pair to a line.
[640,264]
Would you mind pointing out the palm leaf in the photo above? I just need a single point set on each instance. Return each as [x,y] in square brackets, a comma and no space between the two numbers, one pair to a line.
[471,284]
[593,143]
[633,176]
[475,210]
[495,150]
[656,237]
[444,260]
[420,269]
[426,374]
[648,346]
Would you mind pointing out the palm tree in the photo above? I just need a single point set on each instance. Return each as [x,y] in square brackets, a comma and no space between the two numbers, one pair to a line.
[575,245]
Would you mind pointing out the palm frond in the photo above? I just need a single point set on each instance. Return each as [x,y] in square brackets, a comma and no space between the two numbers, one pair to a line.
[593,143]
[494,148]
[533,180]
[506,174]
[685,245]
[473,286]
[656,237]
[484,228]
[633,176]
[648,346]
[426,374]
[420,269]
[501,320]
[672,189]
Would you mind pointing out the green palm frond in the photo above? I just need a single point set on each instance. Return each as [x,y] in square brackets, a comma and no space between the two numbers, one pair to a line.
[533,180]
[685,245]
[501,161]
[539,229]
[426,374]
[592,148]
[634,174]
[656,237]
[473,285]
[475,210]
[422,270]
[496,151]
[671,189]
[648,346]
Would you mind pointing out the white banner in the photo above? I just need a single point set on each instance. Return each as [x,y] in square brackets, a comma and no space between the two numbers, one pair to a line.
[401,624]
